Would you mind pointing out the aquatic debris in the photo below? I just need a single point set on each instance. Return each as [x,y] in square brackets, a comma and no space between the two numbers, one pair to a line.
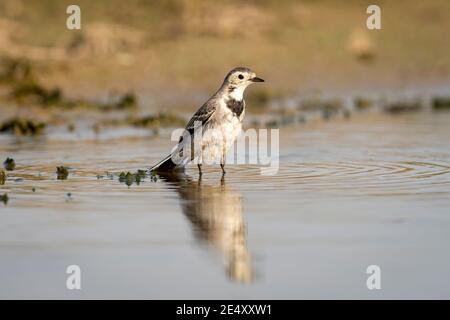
[22,127]
[130,178]
[362,103]
[9,164]
[140,172]
[317,104]
[2,177]
[4,198]
[162,119]
[398,107]
[441,103]
[106,176]
[153,176]
[62,173]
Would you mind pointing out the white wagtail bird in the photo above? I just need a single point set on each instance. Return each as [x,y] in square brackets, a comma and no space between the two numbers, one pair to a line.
[220,119]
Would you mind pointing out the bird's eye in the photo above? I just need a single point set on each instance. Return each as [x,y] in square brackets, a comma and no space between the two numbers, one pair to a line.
[241,76]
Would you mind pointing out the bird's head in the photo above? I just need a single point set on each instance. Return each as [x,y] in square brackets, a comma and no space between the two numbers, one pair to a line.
[238,79]
[241,76]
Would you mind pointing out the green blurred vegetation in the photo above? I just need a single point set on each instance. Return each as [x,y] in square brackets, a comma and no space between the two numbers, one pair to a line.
[4,198]
[62,173]
[2,177]
[9,164]
[22,127]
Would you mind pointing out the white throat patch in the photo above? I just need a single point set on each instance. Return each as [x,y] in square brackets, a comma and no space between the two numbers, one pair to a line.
[238,93]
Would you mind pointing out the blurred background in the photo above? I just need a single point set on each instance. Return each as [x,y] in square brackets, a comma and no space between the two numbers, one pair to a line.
[166,56]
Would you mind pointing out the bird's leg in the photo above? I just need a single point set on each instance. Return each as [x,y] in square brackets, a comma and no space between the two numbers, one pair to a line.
[222,160]
[199,169]
[222,163]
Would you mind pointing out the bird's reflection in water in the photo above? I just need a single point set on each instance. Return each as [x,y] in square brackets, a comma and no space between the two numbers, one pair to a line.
[215,214]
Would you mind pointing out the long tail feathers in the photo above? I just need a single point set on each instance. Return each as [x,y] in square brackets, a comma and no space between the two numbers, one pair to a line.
[164,165]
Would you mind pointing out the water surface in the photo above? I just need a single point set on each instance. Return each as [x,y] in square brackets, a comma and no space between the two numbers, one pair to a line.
[372,189]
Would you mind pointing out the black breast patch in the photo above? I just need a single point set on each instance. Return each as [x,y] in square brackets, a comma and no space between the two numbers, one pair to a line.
[236,106]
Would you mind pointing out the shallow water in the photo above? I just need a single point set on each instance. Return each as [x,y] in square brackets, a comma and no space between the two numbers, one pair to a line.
[373,189]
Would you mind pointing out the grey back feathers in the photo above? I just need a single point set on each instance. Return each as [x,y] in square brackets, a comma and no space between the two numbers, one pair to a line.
[203,114]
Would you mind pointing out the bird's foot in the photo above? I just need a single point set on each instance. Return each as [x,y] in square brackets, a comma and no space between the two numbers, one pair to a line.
[222,180]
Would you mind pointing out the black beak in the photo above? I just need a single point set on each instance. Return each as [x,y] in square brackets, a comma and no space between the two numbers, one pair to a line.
[256,79]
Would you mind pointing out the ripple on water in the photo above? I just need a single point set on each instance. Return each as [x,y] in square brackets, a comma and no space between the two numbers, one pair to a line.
[389,177]
[411,177]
